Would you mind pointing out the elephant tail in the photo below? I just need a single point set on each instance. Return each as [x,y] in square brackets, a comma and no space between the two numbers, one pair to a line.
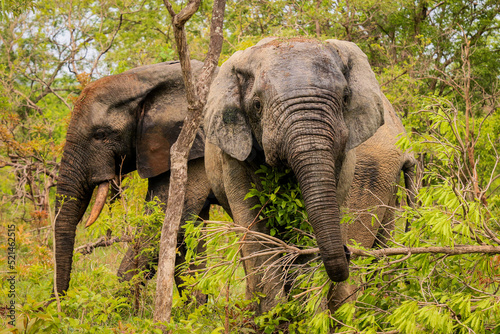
[408,169]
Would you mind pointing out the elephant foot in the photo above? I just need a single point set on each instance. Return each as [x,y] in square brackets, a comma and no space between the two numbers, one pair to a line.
[268,295]
[200,297]
[339,294]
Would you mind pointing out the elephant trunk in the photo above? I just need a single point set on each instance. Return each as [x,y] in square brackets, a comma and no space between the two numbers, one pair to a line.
[72,198]
[313,154]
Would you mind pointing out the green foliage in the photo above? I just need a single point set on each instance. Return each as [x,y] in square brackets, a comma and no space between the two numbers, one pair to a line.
[282,206]
[223,272]
[50,50]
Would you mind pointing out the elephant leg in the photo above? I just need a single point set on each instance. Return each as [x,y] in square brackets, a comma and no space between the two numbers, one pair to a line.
[132,263]
[136,259]
[262,279]
[196,203]
[197,193]
[341,293]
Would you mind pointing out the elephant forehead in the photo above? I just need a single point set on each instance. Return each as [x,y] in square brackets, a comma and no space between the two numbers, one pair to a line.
[102,115]
[301,63]
[291,49]
[286,44]
[277,50]
[288,75]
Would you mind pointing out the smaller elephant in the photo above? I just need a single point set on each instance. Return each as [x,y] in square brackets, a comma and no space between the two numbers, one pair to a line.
[122,123]
[310,106]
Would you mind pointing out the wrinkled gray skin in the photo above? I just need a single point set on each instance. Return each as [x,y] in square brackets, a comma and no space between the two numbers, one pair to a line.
[119,124]
[306,105]
[379,164]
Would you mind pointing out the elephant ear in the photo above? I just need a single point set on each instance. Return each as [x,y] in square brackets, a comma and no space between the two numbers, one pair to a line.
[226,122]
[364,110]
[160,121]
[158,128]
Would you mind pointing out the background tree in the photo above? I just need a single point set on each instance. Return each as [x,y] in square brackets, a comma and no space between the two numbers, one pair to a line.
[196,95]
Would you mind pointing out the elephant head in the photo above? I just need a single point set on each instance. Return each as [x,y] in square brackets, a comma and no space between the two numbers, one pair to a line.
[119,124]
[306,103]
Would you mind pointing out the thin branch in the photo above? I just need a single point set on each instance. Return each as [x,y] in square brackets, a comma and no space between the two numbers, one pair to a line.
[286,248]
[394,78]
[94,66]
[49,89]
[457,250]
[103,241]
[31,104]
[186,13]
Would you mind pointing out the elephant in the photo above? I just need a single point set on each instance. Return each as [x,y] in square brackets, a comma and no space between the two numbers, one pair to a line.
[316,108]
[373,193]
[119,124]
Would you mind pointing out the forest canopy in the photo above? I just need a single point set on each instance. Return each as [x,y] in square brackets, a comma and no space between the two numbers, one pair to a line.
[436,61]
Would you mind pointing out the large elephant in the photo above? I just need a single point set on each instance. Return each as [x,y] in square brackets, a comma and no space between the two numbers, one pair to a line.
[121,123]
[307,105]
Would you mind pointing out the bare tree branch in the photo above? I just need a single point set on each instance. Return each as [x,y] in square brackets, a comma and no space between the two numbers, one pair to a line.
[103,241]
[456,250]
[196,98]
[102,52]
[185,14]
[279,246]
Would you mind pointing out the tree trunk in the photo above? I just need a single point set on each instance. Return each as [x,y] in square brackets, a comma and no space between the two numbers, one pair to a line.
[179,154]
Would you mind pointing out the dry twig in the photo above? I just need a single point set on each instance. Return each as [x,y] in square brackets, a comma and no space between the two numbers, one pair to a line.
[103,241]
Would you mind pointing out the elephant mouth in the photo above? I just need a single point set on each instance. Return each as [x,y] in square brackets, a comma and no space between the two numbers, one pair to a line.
[100,200]
[347,254]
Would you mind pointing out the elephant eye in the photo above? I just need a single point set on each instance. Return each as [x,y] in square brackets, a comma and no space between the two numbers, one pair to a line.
[100,134]
[347,95]
[257,105]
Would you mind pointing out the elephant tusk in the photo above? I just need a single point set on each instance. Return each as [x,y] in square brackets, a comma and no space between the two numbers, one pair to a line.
[100,200]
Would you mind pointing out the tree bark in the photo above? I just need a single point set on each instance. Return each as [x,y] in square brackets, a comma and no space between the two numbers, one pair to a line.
[456,250]
[196,97]
[316,21]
